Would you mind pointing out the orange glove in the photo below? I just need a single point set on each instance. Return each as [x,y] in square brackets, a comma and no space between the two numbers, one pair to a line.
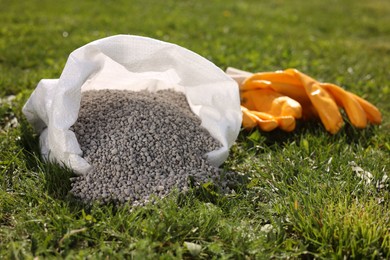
[265,108]
[317,99]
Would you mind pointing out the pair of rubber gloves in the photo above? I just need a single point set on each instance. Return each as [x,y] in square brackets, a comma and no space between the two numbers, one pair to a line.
[276,99]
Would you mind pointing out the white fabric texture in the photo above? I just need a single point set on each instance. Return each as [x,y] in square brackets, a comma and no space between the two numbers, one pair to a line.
[132,63]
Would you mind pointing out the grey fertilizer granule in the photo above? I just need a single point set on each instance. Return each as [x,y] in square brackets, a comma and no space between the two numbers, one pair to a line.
[139,144]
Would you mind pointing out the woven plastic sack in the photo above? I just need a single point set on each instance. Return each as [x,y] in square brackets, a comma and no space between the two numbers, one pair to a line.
[132,63]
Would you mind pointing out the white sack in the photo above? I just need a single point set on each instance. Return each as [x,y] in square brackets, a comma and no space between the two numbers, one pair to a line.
[132,63]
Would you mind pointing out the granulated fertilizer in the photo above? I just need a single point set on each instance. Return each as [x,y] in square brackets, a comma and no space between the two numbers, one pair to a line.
[139,144]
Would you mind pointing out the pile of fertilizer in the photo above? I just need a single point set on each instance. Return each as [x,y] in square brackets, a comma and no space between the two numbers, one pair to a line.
[139,144]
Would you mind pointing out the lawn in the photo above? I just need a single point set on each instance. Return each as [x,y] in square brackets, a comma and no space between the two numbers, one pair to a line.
[300,194]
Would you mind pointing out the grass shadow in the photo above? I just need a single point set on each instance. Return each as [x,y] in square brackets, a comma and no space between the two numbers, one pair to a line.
[277,138]
[57,177]
[29,141]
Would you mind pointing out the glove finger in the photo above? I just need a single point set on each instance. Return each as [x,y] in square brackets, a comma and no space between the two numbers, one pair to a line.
[271,102]
[277,76]
[324,104]
[250,120]
[296,92]
[326,107]
[285,106]
[343,98]
[286,123]
[249,84]
[372,112]
[265,122]
[267,125]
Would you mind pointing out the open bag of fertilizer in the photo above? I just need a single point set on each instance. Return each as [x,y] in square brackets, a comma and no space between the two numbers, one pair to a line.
[132,63]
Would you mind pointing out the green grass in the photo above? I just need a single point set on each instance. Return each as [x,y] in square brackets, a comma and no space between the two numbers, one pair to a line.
[300,197]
